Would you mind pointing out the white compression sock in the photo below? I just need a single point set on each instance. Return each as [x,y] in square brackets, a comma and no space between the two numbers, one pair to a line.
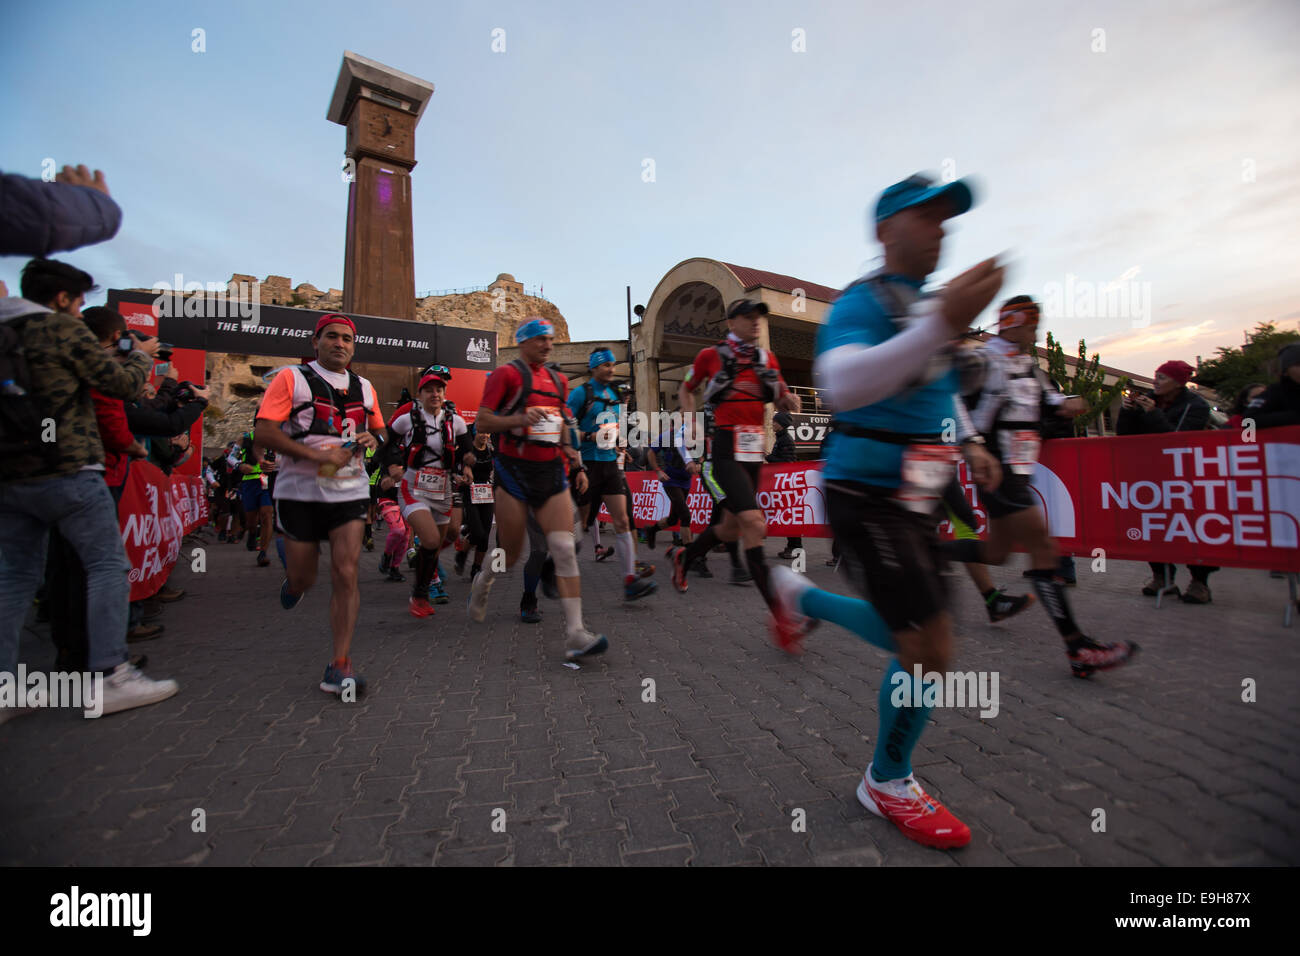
[572,613]
[626,549]
[595,532]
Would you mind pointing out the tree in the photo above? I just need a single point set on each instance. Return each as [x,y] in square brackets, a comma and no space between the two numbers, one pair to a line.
[1088,382]
[1234,369]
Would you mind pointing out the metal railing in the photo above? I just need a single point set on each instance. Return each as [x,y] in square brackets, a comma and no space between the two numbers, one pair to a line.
[533,293]
[812,400]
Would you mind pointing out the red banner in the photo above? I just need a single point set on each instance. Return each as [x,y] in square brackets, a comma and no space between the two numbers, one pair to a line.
[155,513]
[1192,497]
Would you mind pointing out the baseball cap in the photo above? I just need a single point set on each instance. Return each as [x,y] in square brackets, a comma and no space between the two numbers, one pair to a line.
[745,306]
[919,189]
[434,373]
[333,318]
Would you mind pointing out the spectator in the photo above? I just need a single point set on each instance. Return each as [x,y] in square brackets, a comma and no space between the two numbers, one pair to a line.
[783,450]
[1171,407]
[39,218]
[60,485]
[1247,395]
[1280,403]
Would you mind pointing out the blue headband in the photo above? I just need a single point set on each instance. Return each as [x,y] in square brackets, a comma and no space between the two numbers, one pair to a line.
[533,328]
[600,358]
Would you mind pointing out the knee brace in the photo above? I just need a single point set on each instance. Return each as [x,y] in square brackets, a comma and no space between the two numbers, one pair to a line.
[560,544]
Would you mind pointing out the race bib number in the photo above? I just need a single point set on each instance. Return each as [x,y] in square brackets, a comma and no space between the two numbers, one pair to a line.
[1020,449]
[480,494]
[927,469]
[266,482]
[431,482]
[547,429]
[607,435]
[749,443]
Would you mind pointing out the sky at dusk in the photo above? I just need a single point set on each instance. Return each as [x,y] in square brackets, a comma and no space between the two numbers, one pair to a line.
[1140,154]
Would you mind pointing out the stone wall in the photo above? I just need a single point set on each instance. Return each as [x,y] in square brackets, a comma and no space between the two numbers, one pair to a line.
[236,380]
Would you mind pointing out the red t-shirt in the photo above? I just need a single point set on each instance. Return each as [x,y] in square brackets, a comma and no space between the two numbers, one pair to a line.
[503,386]
[744,401]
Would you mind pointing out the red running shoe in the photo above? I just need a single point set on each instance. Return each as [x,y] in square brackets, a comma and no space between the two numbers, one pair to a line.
[1089,656]
[679,570]
[789,627]
[420,607]
[603,552]
[644,570]
[920,816]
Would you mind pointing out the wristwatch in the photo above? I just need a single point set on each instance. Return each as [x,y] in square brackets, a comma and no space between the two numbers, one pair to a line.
[974,440]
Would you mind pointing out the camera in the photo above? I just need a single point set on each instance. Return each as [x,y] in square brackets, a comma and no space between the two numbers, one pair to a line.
[164,352]
[126,344]
[184,392]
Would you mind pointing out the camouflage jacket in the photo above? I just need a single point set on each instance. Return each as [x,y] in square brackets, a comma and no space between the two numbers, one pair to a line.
[65,361]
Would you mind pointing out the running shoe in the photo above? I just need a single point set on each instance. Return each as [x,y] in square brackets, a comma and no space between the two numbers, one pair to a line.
[679,569]
[262,560]
[476,603]
[644,570]
[395,575]
[289,600]
[603,552]
[701,567]
[420,607]
[1002,606]
[549,586]
[740,575]
[528,611]
[786,555]
[1088,656]
[582,643]
[1197,593]
[333,681]
[920,816]
[437,593]
[369,543]
[459,564]
[789,625]
[166,594]
[638,588]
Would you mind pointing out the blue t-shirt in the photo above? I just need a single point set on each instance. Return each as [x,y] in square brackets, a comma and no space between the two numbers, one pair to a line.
[603,409]
[858,319]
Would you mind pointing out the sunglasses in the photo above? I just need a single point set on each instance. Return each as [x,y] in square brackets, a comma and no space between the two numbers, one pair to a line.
[437,370]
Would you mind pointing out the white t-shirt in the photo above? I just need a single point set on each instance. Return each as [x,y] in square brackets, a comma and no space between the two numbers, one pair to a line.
[297,478]
[403,425]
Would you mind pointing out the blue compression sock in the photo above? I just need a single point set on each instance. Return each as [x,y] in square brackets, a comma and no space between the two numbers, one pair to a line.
[849,613]
[900,727]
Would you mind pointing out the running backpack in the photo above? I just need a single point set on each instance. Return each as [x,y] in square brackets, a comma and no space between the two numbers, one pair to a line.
[329,409]
[588,401]
[22,412]
[520,401]
[725,380]
[419,440]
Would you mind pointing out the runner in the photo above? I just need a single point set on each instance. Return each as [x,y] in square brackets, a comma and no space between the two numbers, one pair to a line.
[671,461]
[383,493]
[1005,390]
[524,402]
[429,442]
[739,378]
[596,408]
[476,502]
[997,603]
[321,416]
[255,494]
[884,356]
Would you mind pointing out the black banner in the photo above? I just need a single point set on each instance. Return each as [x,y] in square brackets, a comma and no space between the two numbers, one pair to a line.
[218,325]
[808,431]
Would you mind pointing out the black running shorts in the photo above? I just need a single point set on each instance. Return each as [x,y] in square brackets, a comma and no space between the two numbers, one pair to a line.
[314,520]
[532,482]
[604,478]
[892,553]
[732,484]
[1011,496]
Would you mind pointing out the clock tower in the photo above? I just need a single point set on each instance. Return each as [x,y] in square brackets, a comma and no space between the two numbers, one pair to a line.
[380,107]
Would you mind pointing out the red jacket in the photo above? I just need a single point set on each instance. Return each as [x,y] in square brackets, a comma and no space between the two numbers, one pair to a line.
[110,413]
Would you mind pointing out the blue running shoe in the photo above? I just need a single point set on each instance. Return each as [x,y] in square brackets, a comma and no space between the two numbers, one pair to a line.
[335,677]
[437,594]
[289,600]
[638,588]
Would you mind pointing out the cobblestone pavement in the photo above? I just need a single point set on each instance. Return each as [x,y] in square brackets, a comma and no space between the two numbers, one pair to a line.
[466,726]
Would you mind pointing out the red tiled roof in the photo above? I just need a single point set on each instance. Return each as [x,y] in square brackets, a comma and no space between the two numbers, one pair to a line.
[754,278]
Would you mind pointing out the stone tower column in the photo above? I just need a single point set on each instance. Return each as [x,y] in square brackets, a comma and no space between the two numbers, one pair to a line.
[380,107]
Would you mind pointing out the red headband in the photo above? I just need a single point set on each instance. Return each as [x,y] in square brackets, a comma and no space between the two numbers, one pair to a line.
[333,319]
[1017,314]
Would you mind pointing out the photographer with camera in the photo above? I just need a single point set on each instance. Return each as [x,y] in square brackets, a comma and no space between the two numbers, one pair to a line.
[51,477]
[1170,407]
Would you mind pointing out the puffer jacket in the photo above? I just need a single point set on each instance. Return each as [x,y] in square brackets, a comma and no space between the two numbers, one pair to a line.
[39,218]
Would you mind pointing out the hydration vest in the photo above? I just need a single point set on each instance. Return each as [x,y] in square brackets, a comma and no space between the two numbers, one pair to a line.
[520,400]
[330,408]
[732,365]
[416,448]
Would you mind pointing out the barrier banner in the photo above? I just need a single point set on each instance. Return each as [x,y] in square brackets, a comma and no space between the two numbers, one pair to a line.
[1188,498]
[155,513]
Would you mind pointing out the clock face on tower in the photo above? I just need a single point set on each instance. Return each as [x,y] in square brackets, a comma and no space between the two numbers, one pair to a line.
[384,132]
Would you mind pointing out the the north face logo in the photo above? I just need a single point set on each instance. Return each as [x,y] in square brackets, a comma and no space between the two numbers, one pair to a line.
[478,350]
